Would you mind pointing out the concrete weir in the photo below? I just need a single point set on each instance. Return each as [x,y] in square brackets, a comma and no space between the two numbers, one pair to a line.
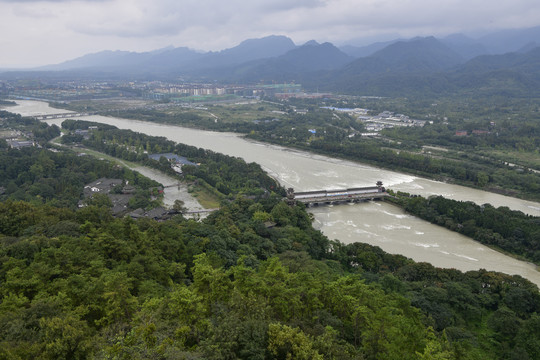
[335,196]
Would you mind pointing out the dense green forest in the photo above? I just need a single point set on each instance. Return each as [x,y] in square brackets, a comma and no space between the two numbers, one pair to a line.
[83,284]
[58,178]
[254,280]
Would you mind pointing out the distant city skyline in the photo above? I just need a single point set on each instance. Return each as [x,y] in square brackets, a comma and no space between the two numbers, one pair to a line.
[42,32]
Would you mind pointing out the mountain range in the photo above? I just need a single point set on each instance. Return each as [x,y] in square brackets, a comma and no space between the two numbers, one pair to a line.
[397,67]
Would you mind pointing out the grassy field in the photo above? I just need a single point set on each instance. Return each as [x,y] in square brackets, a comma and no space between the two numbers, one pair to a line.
[232,113]
[246,111]
[102,104]
[204,197]
[522,158]
[98,155]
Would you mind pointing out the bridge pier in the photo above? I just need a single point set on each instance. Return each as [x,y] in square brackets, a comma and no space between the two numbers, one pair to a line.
[290,197]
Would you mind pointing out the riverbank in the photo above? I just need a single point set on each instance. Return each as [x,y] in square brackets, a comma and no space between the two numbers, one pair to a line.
[378,224]
[5,103]
[525,183]
[325,172]
[468,169]
[509,232]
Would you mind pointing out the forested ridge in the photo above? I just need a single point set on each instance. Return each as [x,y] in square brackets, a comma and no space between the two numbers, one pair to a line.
[254,280]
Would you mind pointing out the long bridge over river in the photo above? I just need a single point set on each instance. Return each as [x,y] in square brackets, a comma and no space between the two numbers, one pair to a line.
[63,115]
[335,196]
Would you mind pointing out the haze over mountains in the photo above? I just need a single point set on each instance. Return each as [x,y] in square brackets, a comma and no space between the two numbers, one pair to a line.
[180,59]
[510,58]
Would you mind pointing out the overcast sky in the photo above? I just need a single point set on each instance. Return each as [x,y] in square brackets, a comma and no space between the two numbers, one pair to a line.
[40,32]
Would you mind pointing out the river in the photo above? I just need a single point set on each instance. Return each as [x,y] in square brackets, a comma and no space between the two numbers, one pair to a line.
[376,223]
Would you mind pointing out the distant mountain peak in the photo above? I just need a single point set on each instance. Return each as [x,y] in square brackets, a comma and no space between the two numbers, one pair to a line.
[313,56]
[163,49]
[311,43]
[265,39]
[418,55]
[511,40]
[277,57]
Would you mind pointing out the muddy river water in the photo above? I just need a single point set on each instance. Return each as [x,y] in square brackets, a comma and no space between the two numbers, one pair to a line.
[376,223]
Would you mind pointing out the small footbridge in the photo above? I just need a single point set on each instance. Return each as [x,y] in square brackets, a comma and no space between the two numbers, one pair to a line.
[169,186]
[337,196]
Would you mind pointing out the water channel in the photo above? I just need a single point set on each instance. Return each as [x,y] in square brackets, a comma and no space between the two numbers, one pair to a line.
[376,223]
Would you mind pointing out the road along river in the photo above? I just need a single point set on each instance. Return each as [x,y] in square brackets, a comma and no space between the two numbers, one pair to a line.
[376,223]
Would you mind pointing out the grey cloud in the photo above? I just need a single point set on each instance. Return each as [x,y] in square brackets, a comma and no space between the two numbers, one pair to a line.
[286,5]
[167,18]
[50,1]
[216,24]
[331,20]
[144,30]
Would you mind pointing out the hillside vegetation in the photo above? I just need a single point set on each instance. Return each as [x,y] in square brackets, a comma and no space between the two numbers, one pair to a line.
[254,280]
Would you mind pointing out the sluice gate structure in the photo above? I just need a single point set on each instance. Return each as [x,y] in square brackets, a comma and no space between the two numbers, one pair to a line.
[335,196]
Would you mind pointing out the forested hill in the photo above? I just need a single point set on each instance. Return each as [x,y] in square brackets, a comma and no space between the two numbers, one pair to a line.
[417,55]
[254,280]
[91,286]
[305,60]
[515,75]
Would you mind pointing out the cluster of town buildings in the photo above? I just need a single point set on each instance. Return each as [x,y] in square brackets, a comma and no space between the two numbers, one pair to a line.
[60,90]
[180,91]
[388,119]
[192,90]
[120,193]
[376,123]
[302,95]
[174,160]
[17,139]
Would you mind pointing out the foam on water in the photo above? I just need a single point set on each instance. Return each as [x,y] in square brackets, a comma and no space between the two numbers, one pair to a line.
[396,227]
[465,257]
[426,245]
